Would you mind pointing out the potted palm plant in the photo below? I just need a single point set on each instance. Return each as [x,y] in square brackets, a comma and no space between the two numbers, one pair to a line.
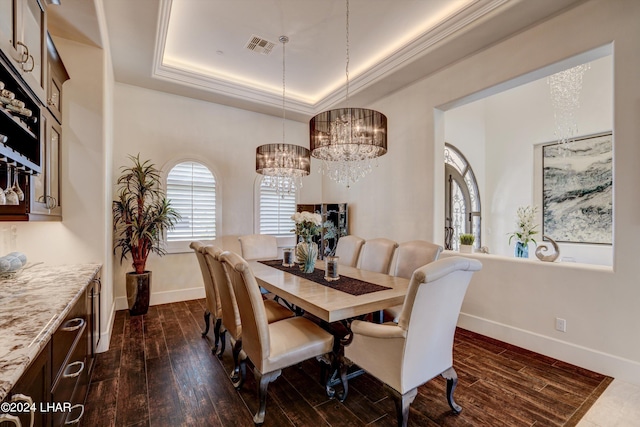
[141,215]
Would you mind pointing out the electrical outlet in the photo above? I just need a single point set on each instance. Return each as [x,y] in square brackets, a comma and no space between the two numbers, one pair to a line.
[561,325]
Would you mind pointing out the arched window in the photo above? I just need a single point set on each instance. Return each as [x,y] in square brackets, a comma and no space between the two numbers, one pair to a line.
[462,199]
[191,188]
[274,210]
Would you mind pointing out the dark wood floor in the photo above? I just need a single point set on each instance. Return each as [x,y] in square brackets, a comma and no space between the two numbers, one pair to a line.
[160,372]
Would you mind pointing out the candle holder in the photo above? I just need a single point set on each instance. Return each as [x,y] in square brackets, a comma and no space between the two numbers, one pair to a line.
[331,269]
[287,257]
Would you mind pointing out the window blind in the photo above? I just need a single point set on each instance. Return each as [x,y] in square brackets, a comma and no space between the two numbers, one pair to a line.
[191,188]
[275,211]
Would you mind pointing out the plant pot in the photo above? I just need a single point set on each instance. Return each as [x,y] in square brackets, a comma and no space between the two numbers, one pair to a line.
[138,292]
[466,249]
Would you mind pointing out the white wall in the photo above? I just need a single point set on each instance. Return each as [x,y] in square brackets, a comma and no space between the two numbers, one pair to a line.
[511,123]
[80,237]
[517,300]
[165,127]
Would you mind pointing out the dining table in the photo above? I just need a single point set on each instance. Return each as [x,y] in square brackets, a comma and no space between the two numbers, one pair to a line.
[331,301]
[354,295]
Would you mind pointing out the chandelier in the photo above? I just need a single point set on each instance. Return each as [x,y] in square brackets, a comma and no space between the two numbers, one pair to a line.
[283,165]
[348,140]
[566,87]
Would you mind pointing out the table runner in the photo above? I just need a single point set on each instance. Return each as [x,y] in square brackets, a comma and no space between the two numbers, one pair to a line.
[345,284]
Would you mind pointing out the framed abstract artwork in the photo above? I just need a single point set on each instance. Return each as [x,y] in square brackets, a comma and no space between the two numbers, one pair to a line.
[577,184]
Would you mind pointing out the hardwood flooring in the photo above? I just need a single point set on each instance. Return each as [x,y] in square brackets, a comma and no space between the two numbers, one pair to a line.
[160,372]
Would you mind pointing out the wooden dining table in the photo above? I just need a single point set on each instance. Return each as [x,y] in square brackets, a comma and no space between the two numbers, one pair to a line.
[328,304]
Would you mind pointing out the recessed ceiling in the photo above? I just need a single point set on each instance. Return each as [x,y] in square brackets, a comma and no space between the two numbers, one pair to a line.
[197,48]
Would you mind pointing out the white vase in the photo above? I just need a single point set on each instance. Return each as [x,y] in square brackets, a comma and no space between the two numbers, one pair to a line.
[466,249]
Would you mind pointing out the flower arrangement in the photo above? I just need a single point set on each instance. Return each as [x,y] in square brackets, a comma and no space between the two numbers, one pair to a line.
[525,226]
[307,224]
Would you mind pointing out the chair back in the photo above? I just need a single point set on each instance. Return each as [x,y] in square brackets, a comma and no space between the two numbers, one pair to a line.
[228,242]
[230,314]
[255,328]
[348,249]
[430,314]
[210,288]
[414,254]
[259,246]
[377,255]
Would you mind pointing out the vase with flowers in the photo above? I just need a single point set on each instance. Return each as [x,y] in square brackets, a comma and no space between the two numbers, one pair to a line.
[525,229]
[308,225]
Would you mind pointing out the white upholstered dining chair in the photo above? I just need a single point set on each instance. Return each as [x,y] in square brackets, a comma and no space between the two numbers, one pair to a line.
[212,298]
[259,247]
[228,242]
[271,347]
[348,250]
[420,346]
[377,255]
[409,257]
[230,314]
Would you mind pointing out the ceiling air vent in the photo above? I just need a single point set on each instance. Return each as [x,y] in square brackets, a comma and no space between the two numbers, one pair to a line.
[260,45]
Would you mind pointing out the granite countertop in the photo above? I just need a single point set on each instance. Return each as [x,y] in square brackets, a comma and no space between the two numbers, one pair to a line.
[32,306]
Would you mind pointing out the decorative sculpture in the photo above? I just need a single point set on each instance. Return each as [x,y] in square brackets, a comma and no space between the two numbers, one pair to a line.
[541,249]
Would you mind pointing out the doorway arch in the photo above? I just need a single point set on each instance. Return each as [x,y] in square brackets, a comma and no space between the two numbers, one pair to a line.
[462,199]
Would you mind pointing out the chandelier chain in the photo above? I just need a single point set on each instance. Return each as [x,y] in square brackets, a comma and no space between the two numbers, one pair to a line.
[347,54]
[284,40]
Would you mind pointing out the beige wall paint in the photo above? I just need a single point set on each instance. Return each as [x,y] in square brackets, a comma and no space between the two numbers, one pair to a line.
[517,301]
[164,128]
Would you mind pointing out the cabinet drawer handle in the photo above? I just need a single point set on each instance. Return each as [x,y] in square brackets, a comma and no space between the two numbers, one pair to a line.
[10,419]
[18,397]
[99,283]
[76,373]
[78,418]
[24,56]
[73,325]
[33,64]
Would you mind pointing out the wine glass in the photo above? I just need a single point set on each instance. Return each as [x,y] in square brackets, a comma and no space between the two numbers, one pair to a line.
[16,185]
[11,198]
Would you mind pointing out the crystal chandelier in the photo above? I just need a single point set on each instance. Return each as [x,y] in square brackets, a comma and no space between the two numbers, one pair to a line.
[347,140]
[566,87]
[283,165]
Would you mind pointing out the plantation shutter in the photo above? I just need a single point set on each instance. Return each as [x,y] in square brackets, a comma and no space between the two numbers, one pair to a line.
[191,188]
[275,211]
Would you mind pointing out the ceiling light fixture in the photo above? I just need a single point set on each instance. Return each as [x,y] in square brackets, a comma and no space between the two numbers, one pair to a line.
[283,165]
[348,139]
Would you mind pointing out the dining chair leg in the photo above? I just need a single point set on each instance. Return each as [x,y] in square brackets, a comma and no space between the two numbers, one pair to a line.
[263,381]
[216,335]
[207,318]
[223,343]
[452,381]
[235,352]
[402,402]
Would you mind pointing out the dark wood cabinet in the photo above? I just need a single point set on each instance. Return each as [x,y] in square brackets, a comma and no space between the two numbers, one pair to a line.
[31,391]
[57,381]
[335,223]
[23,40]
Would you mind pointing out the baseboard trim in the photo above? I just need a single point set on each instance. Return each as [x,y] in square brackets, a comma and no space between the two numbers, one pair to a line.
[604,363]
[105,336]
[166,297]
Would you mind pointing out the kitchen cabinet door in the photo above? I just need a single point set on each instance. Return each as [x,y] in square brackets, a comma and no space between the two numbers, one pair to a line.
[45,199]
[23,39]
[33,389]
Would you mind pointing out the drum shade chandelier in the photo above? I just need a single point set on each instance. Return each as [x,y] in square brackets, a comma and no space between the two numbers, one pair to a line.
[348,139]
[283,165]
